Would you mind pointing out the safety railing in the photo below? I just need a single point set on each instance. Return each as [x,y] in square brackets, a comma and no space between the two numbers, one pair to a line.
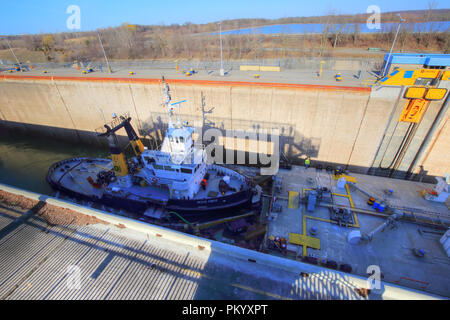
[368,82]
[113,123]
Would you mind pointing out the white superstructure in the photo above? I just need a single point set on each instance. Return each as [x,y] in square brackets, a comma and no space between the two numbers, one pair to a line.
[178,166]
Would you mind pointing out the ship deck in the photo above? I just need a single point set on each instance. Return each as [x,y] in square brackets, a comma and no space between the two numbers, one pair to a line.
[75,175]
[213,186]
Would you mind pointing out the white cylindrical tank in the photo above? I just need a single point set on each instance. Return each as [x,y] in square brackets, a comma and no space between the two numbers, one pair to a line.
[341,183]
[354,237]
[445,241]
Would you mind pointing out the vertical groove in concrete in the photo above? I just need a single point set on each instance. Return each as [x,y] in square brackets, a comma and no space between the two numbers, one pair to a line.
[393,110]
[388,134]
[357,134]
[67,109]
[433,142]
[135,110]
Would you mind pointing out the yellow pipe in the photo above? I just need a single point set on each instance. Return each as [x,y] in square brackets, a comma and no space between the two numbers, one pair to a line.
[304,248]
[340,195]
[349,196]
[355,217]
[101,167]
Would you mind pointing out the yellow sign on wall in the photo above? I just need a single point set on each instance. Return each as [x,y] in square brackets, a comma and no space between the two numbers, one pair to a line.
[402,77]
[413,110]
[446,75]
[435,93]
[415,92]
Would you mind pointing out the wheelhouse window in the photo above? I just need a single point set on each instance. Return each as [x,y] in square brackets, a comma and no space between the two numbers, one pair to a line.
[424,81]
[149,160]
[185,170]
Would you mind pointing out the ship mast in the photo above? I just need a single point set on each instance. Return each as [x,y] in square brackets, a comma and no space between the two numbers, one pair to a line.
[167,99]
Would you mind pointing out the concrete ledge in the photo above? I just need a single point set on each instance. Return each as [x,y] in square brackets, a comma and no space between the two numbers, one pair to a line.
[185,82]
[333,277]
[136,225]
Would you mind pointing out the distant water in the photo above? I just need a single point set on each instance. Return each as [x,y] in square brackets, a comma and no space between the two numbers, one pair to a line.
[297,28]
[25,160]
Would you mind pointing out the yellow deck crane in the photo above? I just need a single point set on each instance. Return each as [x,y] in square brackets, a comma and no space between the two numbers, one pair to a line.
[119,163]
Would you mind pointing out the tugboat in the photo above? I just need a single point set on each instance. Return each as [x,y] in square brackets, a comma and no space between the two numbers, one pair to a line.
[172,182]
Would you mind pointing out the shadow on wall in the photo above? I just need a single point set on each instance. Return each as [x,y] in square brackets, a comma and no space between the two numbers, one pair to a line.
[293,144]
[296,147]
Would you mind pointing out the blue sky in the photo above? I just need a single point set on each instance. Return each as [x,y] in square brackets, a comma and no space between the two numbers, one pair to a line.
[36,16]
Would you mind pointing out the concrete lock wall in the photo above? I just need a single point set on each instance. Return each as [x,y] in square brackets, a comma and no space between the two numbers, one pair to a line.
[332,125]
[428,146]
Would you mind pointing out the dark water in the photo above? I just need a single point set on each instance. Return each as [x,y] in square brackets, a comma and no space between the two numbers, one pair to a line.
[25,160]
[308,28]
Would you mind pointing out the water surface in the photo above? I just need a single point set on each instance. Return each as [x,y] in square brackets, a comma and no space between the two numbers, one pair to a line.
[25,160]
[311,28]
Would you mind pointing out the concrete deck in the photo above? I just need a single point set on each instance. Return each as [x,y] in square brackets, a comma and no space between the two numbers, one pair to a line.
[285,76]
[391,249]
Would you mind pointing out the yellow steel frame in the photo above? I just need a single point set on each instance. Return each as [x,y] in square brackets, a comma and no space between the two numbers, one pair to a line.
[306,241]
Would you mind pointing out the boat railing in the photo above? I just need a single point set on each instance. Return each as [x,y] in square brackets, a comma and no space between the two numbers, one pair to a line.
[199,146]
[229,172]
[113,123]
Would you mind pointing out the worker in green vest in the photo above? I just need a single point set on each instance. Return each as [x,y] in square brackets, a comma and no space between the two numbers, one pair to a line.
[307,162]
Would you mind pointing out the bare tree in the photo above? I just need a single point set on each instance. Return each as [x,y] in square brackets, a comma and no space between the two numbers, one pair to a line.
[355,33]
[404,34]
[426,37]
[326,28]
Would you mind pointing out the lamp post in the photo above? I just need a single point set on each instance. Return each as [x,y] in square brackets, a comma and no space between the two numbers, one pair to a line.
[222,72]
[12,51]
[104,53]
[393,43]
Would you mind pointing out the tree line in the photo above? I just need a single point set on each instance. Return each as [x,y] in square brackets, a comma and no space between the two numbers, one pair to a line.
[195,41]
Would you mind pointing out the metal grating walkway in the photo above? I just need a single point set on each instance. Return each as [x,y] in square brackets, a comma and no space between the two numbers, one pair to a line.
[37,261]
[104,262]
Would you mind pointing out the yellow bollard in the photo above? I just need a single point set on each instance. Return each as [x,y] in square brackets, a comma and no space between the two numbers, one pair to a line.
[321,68]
